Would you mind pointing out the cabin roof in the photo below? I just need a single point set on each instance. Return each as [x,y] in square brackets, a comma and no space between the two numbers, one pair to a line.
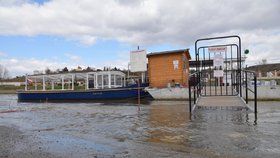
[77,74]
[170,52]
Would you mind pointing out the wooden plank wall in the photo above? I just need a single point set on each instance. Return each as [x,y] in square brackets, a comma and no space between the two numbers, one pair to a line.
[161,69]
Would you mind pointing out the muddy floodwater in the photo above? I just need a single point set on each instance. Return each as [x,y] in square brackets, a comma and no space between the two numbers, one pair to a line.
[154,129]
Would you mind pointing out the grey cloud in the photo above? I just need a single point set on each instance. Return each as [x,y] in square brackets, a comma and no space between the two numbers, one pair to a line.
[145,22]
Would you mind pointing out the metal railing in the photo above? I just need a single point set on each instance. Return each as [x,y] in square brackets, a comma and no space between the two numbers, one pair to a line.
[248,76]
[195,87]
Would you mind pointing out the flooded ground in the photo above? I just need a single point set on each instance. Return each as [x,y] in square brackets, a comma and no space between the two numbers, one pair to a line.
[155,129]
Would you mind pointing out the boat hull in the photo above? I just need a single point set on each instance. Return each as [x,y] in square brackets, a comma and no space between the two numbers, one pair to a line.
[176,93]
[89,95]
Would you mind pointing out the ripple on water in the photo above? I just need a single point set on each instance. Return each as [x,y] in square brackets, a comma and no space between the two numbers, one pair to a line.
[220,132]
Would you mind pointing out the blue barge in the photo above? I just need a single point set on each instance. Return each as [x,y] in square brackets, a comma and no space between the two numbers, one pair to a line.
[98,86]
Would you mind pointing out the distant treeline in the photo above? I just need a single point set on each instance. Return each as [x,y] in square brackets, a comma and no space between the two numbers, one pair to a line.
[78,69]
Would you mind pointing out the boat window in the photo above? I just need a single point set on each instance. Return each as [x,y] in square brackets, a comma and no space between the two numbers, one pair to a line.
[106,81]
[118,80]
[99,81]
[91,83]
[112,80]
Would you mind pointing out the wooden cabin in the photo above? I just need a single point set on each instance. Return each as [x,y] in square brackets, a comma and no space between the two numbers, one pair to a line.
[168,68]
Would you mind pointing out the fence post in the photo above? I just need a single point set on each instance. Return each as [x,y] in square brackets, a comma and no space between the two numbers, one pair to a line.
[194,94]
[190,98]
[199,85]
[246,86]
[255,90]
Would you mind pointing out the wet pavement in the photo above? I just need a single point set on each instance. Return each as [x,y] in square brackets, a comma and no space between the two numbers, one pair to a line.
[155,129]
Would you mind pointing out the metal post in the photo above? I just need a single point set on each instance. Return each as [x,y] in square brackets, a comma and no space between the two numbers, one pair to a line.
[95,80]
[210,82]
[255,90]
[139,92]
[86,82]
[204,71]
[109,79]
[128,70]
[216,85]
[226,74]
[198,78]
[115,80]
[26,82]
[199,83]
[231,71]
[102,81]
[52,85]
[69,85]
[194,94]
[73,85]
[124,81]
[36,84]
[246,87]
[240,66]
[190,98]
[62,82]
[44,83]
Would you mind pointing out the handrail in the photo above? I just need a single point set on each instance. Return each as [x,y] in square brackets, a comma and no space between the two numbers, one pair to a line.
[195,89]
[253,72]
[193,74]
[250,90]
[194,77]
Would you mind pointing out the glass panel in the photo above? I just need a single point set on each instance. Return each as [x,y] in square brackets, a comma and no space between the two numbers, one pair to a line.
[112,80]
[99,80]
[91,83]
[105,80]
[118,80]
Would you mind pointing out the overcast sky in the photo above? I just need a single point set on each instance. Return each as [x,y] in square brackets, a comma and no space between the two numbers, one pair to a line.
[36,34]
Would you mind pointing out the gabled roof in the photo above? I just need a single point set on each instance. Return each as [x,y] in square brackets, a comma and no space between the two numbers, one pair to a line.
[171,52]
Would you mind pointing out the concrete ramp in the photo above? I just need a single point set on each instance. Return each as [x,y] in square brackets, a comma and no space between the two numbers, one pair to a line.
[221,102]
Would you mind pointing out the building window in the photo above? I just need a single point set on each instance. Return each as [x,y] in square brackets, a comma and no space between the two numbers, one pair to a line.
[176,64]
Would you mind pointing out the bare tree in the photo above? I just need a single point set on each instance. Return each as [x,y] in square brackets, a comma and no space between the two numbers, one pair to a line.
[4,73]
[1,72]
[88,69]
[57,71]
[263,62]
[65,69]
[48,71]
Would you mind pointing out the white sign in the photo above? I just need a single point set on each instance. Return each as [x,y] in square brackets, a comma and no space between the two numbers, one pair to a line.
[176,64]
[218,60]
[218,73]
[217,49]
[138,61]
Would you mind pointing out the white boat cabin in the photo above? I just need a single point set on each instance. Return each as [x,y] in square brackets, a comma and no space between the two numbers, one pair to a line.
[75,81]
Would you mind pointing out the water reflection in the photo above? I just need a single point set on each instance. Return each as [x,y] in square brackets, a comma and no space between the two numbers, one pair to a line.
[224,130]
[224,133]
[167,123]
